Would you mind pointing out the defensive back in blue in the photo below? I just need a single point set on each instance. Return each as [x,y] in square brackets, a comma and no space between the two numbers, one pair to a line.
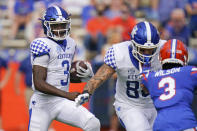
[172,93]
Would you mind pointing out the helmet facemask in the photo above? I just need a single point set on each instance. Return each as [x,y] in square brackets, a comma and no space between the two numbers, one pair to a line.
[138,51]
[57,30]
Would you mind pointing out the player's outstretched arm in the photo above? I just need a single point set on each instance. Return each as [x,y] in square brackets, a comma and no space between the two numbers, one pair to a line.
[39,77]
[101,76]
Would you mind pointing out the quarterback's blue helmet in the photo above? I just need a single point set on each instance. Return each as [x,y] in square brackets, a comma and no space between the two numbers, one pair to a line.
[144,36]
[56,23]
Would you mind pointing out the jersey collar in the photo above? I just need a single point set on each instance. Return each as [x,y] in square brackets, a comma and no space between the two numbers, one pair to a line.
[62,43]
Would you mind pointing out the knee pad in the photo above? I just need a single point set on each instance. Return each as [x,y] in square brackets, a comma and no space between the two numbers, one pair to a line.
[92,124]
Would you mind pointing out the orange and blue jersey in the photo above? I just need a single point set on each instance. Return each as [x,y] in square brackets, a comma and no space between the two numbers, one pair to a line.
[172,93]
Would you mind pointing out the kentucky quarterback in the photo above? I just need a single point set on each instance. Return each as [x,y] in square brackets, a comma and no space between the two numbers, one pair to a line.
[51,59]
[134,107]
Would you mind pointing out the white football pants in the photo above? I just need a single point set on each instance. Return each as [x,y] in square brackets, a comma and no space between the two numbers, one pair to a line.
[135,118]
[45,108]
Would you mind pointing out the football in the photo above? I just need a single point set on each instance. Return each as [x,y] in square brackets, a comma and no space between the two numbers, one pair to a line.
[73,71]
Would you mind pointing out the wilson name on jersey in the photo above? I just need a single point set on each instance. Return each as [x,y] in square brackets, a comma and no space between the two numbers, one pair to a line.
[169,87]
[172,94]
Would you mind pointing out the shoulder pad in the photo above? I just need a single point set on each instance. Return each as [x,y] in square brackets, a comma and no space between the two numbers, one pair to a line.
[109,58]
[71,40]
[38,48]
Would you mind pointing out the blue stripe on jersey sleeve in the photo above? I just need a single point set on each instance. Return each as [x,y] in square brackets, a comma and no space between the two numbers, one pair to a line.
[39,48]
[110,58]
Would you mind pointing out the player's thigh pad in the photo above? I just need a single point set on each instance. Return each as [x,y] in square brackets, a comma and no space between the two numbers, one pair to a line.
[132,118]
[93,124]
[40,117]
[77,116]
[39,120]
[151,114]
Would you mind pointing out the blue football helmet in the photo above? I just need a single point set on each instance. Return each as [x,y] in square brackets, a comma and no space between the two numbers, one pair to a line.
[56,23]
[144,36]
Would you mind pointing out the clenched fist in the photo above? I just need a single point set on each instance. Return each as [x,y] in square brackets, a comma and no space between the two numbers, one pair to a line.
[72,95]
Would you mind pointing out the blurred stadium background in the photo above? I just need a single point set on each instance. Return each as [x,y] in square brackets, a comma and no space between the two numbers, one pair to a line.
[95,26]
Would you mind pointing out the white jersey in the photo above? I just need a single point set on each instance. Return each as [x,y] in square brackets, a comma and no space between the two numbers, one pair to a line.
[60,59]
[46,108]
[128,70]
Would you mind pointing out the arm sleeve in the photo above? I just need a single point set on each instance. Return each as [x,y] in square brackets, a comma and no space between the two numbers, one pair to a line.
[39,48]
[109,58]
[41,61]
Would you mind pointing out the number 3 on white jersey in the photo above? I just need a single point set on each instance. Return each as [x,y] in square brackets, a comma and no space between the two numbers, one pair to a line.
[170,90]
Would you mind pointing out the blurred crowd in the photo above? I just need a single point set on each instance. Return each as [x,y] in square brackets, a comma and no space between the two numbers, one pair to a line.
[96,25]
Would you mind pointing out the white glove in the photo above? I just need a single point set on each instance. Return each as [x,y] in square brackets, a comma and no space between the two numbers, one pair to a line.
[85,74]
[82,98]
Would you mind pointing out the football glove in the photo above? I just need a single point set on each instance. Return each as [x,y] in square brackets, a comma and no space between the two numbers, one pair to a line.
[85,74]
[82,98]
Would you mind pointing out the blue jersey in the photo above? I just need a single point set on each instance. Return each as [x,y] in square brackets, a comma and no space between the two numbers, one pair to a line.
[172,93]
[26,68]
[3,63]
